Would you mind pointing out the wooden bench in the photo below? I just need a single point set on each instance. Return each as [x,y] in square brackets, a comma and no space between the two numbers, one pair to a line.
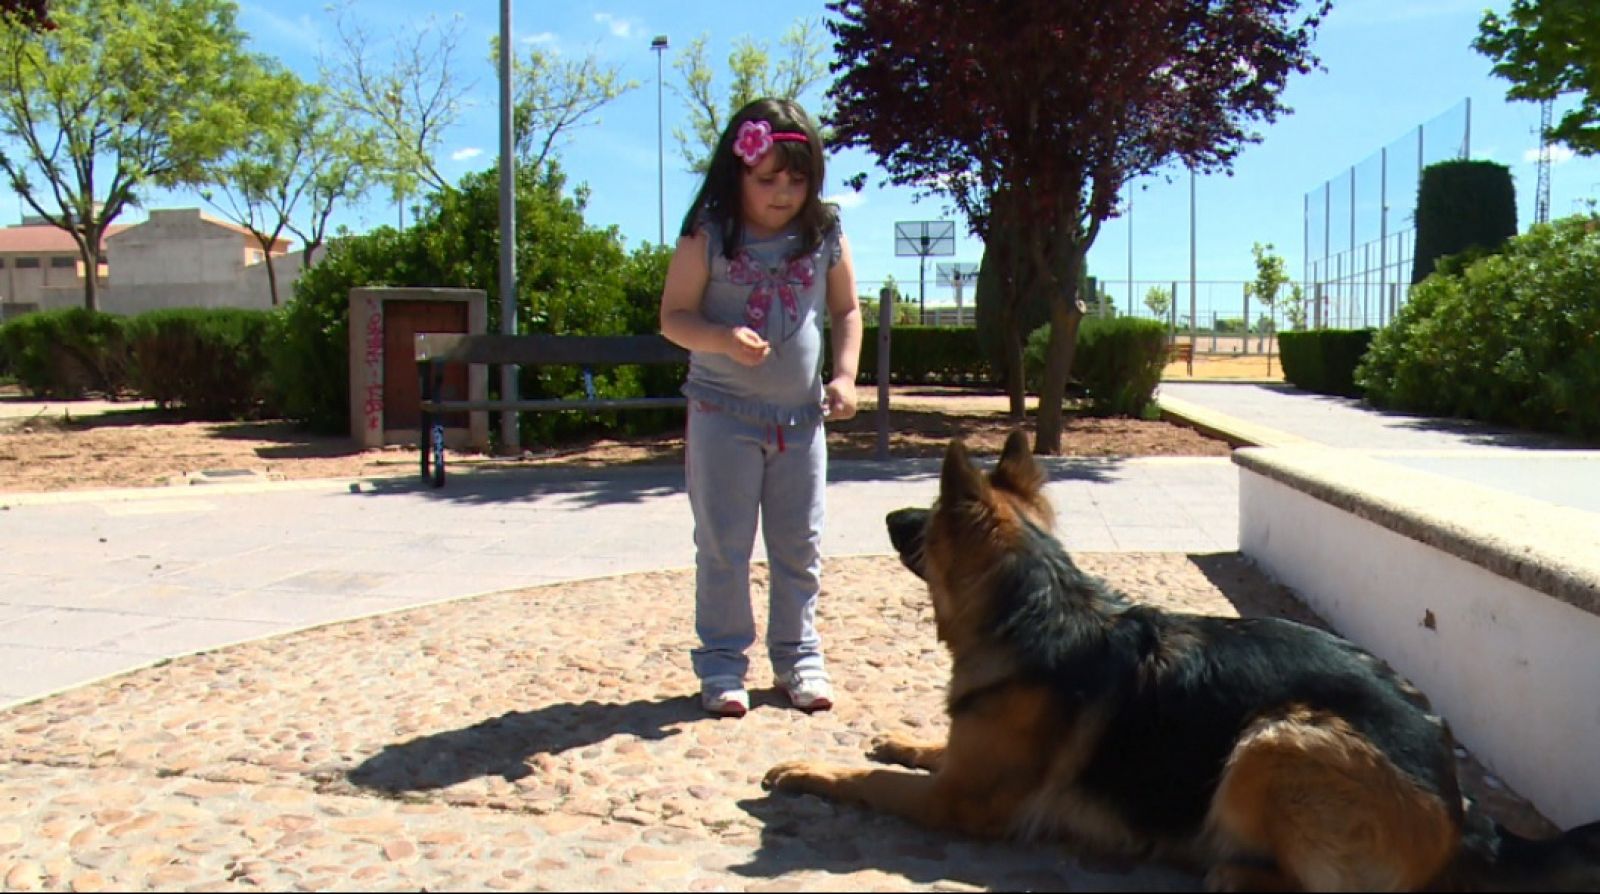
[1180,352]
[436,351]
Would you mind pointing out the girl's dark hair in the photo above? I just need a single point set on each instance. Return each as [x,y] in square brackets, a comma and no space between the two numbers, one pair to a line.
[718,202]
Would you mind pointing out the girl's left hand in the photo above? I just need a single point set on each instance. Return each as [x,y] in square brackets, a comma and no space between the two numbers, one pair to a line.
[841,397]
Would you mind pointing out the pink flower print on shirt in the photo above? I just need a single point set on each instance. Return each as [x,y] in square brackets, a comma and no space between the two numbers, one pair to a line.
[783,283]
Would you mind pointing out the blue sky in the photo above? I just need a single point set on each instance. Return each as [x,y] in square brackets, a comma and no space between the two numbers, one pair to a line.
[1391,65]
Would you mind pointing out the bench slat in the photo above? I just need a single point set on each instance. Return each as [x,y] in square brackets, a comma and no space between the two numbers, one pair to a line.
[534,406]
[540,350]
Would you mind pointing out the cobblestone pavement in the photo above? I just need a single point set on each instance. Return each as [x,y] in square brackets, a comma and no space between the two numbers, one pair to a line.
[536,739]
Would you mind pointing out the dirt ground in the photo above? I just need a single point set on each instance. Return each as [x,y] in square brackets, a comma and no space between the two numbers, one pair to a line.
[147,447]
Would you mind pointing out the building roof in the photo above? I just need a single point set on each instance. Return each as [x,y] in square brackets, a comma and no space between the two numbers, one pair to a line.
[45,240]
[278,245]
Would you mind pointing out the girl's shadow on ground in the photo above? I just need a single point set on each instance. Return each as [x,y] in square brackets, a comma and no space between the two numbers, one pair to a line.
[501,745]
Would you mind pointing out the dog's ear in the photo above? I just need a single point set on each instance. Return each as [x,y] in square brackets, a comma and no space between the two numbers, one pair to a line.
[960,482]
[1017,471]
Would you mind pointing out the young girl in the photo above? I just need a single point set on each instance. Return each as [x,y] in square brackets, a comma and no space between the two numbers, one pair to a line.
[759,260]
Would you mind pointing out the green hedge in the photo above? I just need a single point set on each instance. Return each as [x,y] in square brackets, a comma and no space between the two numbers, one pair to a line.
[1514,338]
[1462,206]
[1324,360]
[213,362]
[68,353]
[922,355]
[1118,362]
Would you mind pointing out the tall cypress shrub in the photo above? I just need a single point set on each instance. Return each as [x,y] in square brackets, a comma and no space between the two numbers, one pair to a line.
[1462,205]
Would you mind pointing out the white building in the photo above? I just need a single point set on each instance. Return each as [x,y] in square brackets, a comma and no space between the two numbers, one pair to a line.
[177,258]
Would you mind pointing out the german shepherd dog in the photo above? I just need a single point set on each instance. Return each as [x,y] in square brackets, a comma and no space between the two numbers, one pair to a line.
[1262,753]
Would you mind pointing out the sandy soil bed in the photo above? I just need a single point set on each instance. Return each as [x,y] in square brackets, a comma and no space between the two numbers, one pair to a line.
[151,447]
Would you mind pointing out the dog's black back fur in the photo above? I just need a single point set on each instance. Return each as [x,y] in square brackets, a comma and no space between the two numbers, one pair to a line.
[1187,686]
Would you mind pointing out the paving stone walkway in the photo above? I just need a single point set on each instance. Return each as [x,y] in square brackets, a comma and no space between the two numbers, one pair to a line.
[542,739]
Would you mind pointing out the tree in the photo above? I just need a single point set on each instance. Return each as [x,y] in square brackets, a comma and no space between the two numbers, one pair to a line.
[1159,300]
[123,96]
[1271,277]
[299,158]
[552,97]
[1548,49]
[799,67]
[33,14]
[407,102]
[1031,116]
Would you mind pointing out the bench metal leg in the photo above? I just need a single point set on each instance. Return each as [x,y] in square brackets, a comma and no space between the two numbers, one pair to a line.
[436,439]
[425,424]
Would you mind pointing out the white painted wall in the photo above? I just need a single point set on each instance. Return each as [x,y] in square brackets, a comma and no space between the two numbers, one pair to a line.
[1516,672]
[178,258]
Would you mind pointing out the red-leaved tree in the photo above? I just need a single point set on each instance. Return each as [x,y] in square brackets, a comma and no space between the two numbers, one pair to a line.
[1031,115]
[32,13]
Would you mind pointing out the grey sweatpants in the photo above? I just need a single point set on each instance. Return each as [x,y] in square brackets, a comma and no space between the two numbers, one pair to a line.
[738,470]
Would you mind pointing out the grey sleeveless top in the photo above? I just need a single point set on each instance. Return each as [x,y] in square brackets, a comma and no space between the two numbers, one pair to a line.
[783,300]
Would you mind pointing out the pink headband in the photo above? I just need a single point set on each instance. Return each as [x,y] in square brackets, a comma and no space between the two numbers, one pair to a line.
[756,139]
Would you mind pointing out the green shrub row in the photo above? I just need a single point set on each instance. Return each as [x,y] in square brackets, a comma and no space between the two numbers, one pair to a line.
[1324,360]
[68,353]
[1513,338]
[1118,362]
[211,362]
[922,355]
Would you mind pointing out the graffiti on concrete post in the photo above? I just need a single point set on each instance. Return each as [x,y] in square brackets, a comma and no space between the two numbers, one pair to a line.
[374,358]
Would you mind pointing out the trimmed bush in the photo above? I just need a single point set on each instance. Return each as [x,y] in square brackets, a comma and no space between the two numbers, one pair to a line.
[1118,362]
[1462,205]
[68,353]
[1324,360]
[1512,339]
[921,355]
[212,362]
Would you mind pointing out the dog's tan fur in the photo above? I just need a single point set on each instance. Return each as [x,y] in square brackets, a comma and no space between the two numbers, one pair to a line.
[1304,800]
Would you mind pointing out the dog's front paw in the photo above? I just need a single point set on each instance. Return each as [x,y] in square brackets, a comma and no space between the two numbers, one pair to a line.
[895,751]
[797,776]
[901,752]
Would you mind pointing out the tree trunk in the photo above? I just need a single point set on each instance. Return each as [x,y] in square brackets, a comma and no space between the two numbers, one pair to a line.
[90,250]
[1066,313]
[1016,379]
[272,278]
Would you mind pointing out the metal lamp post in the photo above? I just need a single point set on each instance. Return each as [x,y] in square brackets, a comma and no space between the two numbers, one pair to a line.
[510,434]
[659,47]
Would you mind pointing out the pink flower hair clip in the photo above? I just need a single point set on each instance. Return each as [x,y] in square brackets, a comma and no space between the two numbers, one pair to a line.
[756,138]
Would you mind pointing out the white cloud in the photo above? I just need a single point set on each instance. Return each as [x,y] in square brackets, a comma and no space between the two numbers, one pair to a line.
[299,30]
[465,154]
[542,39]
[619,27]
[1558,155]
[848,199]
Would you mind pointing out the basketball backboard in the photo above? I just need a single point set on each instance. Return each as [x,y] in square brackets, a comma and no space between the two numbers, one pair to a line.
[925,238]
[957,273]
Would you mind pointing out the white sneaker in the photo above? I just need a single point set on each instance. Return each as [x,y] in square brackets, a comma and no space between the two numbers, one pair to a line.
[807,693]
[724,696]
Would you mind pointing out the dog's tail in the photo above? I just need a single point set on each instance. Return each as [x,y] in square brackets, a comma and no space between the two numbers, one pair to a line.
[1492,858]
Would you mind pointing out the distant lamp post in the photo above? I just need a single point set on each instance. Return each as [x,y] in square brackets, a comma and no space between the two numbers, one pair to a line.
[659,47]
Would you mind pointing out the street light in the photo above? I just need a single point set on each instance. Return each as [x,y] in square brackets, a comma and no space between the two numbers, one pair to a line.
[659,47]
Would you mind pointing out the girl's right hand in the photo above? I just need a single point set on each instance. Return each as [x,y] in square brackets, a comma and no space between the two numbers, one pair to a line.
[746,347]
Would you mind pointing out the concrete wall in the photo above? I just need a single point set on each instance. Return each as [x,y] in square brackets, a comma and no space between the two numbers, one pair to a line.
[1512,667]
[178,258]
[47,285]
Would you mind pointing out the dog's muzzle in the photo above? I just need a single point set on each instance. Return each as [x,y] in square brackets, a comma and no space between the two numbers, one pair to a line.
[907,528]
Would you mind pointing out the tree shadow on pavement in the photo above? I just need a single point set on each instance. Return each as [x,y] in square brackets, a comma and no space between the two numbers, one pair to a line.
[501,745]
